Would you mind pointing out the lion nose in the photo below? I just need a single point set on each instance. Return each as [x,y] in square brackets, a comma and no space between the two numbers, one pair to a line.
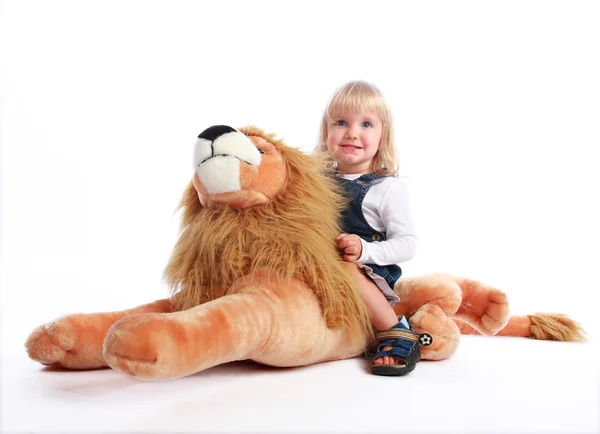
[224,141]
[216,131]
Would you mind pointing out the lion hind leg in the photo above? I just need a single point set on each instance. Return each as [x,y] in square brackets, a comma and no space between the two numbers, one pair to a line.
[483,307]
[436,288]
[444,331]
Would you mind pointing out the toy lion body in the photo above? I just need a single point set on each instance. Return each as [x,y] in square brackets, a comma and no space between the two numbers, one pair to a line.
[255,274]
[290,236]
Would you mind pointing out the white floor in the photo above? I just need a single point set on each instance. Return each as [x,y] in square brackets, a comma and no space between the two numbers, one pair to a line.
[490,385]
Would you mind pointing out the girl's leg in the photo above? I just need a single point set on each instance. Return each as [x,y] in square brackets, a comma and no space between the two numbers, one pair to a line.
[382,314]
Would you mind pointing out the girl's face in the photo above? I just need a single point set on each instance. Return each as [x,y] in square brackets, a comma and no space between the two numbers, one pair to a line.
[353,139]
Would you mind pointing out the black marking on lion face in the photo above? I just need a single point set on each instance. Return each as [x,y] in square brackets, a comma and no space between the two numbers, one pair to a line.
[214,132]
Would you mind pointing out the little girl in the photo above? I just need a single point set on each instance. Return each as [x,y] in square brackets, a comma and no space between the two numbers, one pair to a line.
[358,135]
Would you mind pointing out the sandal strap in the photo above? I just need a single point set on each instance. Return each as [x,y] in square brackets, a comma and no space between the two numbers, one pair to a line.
[400,347]
[397,334]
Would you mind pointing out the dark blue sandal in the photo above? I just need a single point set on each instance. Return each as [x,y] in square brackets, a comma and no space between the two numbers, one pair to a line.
[404,345]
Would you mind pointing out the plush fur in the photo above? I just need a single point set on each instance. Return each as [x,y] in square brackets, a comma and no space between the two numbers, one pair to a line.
[293,235]
[255,275]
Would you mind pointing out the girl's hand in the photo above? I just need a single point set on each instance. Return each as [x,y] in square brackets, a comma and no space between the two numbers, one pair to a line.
[350,245]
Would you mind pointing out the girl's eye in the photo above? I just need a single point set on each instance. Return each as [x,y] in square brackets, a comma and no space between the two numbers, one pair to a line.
[367,124]
[341,123]
[261,151]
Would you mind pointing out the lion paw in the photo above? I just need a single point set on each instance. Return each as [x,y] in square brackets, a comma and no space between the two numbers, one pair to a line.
[62,343]
[496,313]
[432,320]
[484,308]
[143,346]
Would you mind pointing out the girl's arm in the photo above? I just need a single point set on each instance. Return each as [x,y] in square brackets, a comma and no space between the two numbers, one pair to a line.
[396,221]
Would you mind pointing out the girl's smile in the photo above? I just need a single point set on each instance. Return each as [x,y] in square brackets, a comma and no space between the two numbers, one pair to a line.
[350,148]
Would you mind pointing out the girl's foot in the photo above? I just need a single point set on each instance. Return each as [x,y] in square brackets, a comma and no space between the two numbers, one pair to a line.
[398,351]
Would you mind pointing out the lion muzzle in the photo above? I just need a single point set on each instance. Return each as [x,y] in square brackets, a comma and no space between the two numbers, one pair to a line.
[218,153]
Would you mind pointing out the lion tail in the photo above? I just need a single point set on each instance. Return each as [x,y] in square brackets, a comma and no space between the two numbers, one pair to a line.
[542,326]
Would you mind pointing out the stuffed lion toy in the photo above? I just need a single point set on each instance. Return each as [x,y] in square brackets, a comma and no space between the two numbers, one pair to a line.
[255,275]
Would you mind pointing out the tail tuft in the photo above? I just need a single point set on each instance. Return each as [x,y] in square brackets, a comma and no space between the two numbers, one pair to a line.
[555,327]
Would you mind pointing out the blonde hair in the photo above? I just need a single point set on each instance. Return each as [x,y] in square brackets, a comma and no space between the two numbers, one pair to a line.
[360,96]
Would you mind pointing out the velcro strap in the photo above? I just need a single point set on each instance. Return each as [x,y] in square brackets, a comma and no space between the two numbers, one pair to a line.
[397,334]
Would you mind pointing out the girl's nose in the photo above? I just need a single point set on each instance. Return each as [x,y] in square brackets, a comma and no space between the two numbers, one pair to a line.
[352,133]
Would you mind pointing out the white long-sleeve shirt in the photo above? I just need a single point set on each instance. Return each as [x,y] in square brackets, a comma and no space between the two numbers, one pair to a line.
[386,208]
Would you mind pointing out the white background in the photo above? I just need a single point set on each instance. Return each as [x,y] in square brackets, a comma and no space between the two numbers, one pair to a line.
[497,108]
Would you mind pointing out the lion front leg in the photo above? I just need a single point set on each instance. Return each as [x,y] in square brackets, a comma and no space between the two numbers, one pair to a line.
[258,320]
[75,341]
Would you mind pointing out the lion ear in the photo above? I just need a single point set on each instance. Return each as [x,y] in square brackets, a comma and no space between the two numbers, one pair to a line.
[253,130]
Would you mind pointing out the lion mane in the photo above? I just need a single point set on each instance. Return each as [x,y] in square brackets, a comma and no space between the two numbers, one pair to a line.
[293,236]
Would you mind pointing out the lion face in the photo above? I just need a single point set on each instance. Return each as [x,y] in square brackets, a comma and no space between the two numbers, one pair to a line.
[236,170]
